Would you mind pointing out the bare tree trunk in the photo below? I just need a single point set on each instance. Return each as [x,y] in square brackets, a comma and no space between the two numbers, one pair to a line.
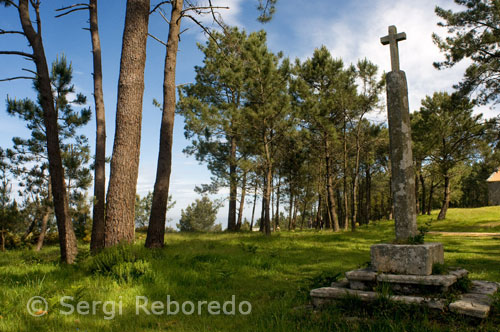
[277,218]
[157,219]
[97,239]
[329,188]
[423,197]
[368,193]
[290,211]
[267,196]
[119,224]
[67,238]
[294,218]
[43,230]
[431,194]
[233,187]
[254,203]
[446,198]
[242,201]
[319,213]
[2,234]
[346,190]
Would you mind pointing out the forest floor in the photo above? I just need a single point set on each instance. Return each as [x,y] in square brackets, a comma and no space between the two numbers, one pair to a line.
[274,274]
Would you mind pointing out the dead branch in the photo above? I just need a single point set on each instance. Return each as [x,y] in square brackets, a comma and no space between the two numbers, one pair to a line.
[27,55]
[71,11]
[3,32]
[10,2]
[162,14]
[211,8]
[17,78]
[204,29]
[159,5]
[73,6]
[157,39]
[30,71]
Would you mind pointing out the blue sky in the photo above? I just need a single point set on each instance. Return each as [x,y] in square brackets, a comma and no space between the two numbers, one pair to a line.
[350,29]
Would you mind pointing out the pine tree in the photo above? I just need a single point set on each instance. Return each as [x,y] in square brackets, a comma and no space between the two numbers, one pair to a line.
[474,33]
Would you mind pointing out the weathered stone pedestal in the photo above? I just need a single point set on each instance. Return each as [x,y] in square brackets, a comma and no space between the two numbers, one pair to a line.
[406,258]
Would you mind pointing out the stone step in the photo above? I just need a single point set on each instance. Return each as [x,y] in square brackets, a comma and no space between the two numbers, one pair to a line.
[321,296]
[367,279]
[477,301]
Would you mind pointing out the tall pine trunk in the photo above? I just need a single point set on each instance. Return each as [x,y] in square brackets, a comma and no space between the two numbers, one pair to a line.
[277,218]
[97,239]
[329,188]
[431,196]
[446,198]
[254,204]
[345,186]
[423,197]
[157,219]
[119,224]
[233,187]
[67,238]
[242,201]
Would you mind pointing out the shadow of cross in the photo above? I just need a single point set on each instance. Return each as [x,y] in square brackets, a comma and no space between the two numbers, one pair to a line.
[393,38]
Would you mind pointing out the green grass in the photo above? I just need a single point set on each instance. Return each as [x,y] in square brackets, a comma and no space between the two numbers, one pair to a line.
[274,274]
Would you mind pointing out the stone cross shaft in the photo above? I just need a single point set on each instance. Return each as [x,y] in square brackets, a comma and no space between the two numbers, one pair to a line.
[392,39]
[402,169]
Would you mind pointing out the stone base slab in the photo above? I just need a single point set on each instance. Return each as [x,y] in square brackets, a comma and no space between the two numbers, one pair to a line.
[367,279]
[476,303]
[413,259]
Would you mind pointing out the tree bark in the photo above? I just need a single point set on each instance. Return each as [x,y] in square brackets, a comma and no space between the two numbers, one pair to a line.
[43,230]
[431,194]
[319,215]
[368,206]
[446,198]
[2,233]
[119,224]
[266,198]
[329,186]
[277,218]
[290,211]
[97,238]
[242,201]
[254,204]
[233,187]
[67,238]
[157,219]
[423,197]
[346,190]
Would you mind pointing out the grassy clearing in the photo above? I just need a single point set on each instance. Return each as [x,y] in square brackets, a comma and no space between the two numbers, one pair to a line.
[274,274]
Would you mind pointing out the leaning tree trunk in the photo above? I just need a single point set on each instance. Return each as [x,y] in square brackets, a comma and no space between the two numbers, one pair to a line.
[67,238]
[97,239]
[119,225]
[446,198]
[43,231]
[157,219]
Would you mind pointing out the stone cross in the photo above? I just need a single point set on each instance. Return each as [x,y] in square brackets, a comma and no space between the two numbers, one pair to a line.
[402,169]
[392,39]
